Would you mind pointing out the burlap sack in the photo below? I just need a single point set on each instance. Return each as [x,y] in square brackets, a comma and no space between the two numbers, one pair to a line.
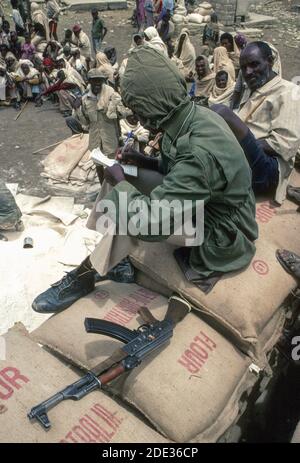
[269,336]
[280,225]
[30,375]
[204,382]
[198,363]
[10,213]
[199,379]
[195,18]
[65,157]
[296,435]
[241,304]
[116,302]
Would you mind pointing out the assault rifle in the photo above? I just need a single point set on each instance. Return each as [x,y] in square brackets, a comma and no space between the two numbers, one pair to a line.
[138,344]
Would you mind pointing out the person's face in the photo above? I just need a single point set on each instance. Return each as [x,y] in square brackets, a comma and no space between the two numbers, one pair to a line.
[255,68]
[27,38]
[95,15]
[3,51]
[9,62]
[5,28]
[2,72]
[76,33]
[25,69]
[221,80]
[200,68]
[182,39]
[60,64]
[48,69]
[96,85]
[138,40]
[67,51]
[147,124]
[226,43]
[132,119]
[13,37]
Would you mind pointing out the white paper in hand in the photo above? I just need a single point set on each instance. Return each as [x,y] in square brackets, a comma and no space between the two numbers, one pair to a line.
[99,158]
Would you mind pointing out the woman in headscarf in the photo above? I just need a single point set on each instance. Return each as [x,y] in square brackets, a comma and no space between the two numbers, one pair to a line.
[240,40]
[39,17]
[185,51]
[27,78]
[222,89]
[178,63]
[11,87]
[226,41]
[137,40]
[78,62]
[38,38]
[222,62]
[5,53]
[205,78]
[103,64]
[153,40]
[111,54]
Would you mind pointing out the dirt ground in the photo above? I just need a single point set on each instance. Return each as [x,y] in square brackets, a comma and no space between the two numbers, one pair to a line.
[39,127]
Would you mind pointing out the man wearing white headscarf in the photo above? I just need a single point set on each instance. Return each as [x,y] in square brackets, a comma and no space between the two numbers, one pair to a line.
[153,40]
[39,17]
[185,51]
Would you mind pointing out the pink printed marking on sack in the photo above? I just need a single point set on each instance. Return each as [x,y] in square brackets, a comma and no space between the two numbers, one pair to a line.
[10,379]
[260,267]
[265,212]
[101,294]
[198,353]
[99,425]
[127,308]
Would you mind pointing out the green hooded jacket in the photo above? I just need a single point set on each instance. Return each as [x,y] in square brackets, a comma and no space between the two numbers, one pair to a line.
[201,160]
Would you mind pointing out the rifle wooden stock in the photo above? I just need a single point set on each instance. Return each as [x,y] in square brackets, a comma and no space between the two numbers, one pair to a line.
[111,374]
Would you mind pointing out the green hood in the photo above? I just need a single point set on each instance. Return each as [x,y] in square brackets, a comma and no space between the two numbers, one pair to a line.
[152,87]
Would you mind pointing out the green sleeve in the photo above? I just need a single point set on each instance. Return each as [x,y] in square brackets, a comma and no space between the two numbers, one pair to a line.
[188,180]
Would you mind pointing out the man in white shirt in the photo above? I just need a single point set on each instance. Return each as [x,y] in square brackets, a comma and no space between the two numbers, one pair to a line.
[267,124]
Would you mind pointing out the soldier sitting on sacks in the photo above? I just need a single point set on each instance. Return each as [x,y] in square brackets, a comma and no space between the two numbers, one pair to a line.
[267,124]
[201,160]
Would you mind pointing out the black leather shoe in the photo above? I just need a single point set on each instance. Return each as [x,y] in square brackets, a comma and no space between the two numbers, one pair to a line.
[64,292]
